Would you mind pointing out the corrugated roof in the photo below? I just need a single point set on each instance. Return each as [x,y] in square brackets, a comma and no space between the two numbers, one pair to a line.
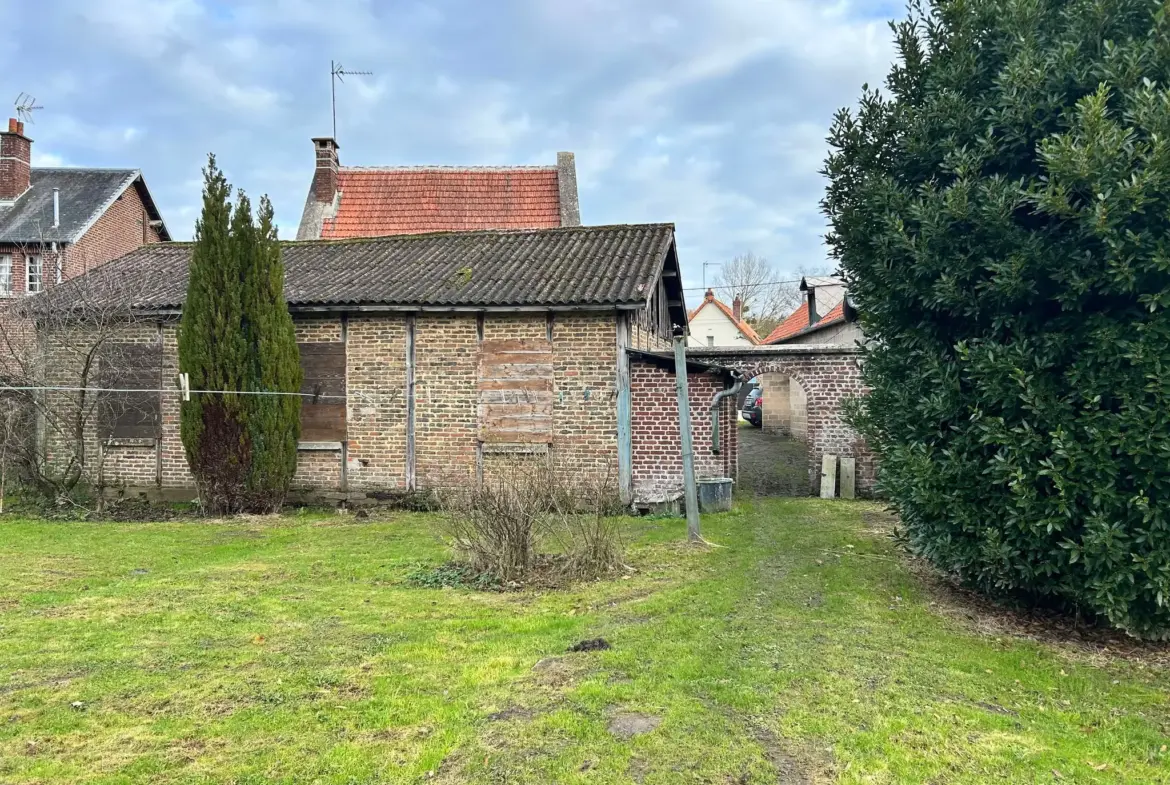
[84,196]
[591,265]
[377,202]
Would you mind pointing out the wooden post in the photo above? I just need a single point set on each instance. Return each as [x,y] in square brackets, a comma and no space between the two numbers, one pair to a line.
[410,466]
[848,477]
[684,432]
[624,412]
[828,476]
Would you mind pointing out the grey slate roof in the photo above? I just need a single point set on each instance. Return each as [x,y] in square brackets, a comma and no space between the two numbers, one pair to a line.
[571,266]
[84,195]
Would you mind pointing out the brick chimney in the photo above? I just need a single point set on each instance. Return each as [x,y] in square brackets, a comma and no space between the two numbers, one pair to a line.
[15,161]
[325,176]
[737,307]
[709,296]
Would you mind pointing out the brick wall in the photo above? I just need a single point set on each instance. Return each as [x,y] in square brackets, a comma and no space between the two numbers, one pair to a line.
[122,228]
[446,400]
[585,392]
[376,417]
[657,450]
[446,415]
[121,462]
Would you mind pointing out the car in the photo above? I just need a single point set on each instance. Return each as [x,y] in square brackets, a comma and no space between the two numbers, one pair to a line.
[753,407]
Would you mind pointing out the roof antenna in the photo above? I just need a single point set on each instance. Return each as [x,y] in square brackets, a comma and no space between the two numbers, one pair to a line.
[338,73]
[25,106]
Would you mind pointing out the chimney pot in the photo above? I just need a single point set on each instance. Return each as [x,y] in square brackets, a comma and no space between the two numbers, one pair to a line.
[12,123]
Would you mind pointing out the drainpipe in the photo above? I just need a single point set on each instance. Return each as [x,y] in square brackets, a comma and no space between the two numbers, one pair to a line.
[715,409]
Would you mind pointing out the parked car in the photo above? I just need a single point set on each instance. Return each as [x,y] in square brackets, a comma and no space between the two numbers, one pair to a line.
[753,407]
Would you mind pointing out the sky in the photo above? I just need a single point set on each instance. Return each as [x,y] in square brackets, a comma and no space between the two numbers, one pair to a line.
[711,114]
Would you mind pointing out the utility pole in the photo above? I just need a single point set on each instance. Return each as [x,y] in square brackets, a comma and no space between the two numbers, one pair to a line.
[684,432]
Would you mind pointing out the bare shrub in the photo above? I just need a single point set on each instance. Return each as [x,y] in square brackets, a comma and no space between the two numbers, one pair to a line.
[506,524]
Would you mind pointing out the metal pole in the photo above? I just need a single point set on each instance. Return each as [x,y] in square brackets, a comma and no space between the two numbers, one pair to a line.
[333,95]
[684,432]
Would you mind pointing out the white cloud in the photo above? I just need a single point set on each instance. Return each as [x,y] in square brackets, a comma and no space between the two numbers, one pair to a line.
[45,158]
[710,113]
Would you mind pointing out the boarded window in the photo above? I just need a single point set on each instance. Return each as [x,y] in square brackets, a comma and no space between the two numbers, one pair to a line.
[516,392]
[323,414]
[123,413]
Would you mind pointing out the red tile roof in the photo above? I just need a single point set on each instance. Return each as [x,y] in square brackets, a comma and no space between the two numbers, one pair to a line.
[835,315]
[795,322]
[377,202]
[743,326]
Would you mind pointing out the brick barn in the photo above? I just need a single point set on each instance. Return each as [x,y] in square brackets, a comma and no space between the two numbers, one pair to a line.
[430,359]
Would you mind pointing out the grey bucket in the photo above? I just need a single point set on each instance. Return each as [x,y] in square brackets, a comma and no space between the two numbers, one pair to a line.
[715,494]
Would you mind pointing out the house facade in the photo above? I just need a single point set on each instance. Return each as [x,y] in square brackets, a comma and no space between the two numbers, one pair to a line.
[58,223]
[714,323]
[433,360]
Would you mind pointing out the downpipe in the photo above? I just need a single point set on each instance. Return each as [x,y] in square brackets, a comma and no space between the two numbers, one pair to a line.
[719,396]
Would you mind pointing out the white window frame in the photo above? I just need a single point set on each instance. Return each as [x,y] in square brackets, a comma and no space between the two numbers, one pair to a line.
[30,262]
[5,274]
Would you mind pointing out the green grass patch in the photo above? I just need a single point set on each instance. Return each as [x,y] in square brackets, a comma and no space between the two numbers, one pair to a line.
[304,649]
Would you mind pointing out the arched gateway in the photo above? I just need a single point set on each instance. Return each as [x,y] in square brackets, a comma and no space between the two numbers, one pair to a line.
[825,377]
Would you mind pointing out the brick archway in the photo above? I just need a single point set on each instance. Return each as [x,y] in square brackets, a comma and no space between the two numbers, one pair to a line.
[829,375]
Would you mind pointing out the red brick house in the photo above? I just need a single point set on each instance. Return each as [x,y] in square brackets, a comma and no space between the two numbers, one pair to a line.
[432,359]
[359,201]
[57,223]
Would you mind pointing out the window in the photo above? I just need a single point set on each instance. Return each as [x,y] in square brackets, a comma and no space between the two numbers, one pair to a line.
[516,392]
[710,340]
[135,371]
[323,414]
[33,266]
[60,268]
[5,274]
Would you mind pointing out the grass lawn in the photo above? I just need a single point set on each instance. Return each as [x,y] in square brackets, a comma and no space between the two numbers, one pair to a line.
[294,650]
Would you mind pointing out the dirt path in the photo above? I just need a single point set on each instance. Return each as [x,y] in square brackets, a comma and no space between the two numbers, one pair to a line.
[771,465]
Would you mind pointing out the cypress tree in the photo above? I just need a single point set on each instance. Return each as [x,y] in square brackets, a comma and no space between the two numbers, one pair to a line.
[273,420]
[236,335]
[213,351]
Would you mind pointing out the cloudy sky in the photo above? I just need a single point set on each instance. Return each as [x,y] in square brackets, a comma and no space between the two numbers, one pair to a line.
[708,113]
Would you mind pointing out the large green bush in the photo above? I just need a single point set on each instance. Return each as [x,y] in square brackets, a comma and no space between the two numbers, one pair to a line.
[1002,215]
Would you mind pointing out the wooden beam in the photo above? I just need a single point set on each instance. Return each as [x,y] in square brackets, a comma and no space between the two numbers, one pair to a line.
[624,412]
[410,465]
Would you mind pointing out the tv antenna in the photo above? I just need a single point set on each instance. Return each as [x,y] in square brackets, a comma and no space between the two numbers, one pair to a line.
[337,74]
[25,106]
